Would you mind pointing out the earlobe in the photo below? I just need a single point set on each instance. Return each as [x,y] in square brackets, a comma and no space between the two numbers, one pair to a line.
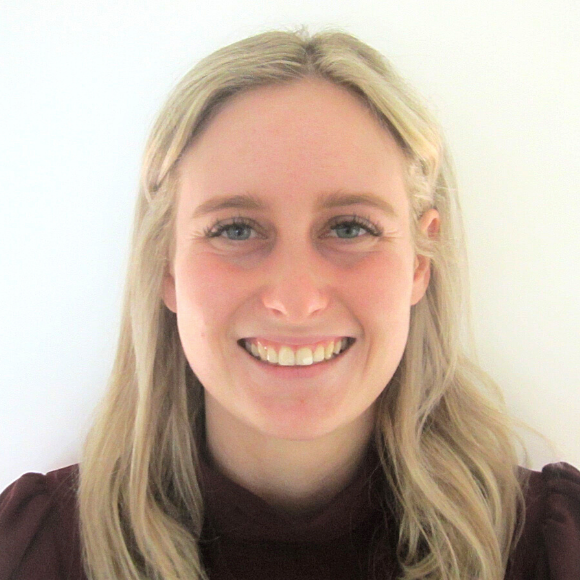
[429,224]
[168,292]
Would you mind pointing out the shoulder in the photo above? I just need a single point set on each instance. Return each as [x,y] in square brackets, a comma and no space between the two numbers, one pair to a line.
[550,543]
[39,527]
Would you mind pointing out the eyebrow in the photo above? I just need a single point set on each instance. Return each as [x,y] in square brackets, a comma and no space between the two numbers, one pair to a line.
[323,201]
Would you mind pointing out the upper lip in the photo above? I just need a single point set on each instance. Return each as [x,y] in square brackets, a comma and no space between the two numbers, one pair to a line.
[297,340]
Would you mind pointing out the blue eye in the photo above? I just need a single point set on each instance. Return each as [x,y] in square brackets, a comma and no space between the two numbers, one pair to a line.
[355,223]
[346,224]
[237,225]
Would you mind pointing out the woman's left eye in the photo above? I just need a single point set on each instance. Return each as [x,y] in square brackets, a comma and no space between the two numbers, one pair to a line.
[355,223]
[345,224]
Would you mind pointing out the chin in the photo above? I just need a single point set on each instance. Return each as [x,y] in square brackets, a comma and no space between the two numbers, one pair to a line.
[294,424]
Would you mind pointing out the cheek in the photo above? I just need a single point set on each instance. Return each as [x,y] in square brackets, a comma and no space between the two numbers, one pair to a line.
[383,306]
[207,289]
[207,296]
[382,283]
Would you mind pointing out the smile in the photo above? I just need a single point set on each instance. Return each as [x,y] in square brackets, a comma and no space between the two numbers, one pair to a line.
[303,356]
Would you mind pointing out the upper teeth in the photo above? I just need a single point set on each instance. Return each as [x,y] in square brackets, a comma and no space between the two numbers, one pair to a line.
[304,355]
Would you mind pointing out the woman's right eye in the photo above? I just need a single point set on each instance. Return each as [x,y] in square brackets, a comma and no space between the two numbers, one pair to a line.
[236,226]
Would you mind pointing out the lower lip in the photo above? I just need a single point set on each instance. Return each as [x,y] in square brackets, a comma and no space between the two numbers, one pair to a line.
[302,371]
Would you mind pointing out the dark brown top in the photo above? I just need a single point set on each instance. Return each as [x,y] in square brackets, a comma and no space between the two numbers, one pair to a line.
[245,538]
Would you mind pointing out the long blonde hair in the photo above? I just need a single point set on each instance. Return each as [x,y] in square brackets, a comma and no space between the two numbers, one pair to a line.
[443,437]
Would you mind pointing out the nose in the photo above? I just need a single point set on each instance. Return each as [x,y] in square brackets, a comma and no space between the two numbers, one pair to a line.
[296,287]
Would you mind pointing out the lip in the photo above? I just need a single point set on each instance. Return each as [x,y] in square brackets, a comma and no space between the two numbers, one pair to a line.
[296,340]
[301,372]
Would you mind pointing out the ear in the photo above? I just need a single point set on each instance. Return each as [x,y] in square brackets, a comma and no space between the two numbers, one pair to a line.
[428,224]
[168,290]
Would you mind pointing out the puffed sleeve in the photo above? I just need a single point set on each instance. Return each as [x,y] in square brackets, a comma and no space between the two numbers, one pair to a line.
[39,536]
[561,529]
[549,548]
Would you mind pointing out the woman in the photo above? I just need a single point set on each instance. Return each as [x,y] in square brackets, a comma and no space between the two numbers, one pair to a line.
[290,396]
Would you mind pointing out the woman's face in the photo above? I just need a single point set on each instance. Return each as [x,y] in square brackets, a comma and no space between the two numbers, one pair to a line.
[294,271]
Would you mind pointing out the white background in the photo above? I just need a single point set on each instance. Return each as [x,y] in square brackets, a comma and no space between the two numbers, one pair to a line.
[81,82]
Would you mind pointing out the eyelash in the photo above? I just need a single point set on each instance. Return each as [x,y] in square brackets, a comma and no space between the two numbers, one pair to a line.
[372,228]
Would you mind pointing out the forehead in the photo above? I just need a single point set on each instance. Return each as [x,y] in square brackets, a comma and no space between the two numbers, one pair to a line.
[297,140]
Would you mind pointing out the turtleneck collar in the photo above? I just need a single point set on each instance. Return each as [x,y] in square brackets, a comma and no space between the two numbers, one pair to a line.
[235,512]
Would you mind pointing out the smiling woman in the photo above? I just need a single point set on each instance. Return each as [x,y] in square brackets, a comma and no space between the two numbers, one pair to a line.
[302,274]
[291,397]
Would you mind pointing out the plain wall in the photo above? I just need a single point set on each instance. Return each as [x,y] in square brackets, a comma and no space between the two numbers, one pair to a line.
[81,84]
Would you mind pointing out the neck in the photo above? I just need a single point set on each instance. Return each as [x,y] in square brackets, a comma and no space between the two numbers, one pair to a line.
[294,477]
